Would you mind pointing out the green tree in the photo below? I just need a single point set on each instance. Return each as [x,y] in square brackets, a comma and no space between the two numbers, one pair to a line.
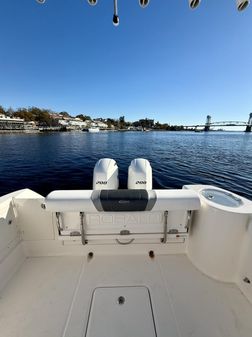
[157,125]
[24,113]
[122,122]
[109,123]
[65,114]
[9,112]
[84,117]
[2,110]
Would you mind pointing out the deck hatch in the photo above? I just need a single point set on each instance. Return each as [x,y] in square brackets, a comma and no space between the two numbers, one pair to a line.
[121,312]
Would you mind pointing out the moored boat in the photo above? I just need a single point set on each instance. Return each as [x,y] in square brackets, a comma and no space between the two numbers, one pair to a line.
[93,130]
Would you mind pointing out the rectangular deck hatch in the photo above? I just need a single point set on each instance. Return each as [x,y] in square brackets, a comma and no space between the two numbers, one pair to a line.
[121,312]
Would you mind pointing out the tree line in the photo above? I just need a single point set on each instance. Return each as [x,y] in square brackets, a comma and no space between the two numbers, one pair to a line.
[45,117]
[41,116]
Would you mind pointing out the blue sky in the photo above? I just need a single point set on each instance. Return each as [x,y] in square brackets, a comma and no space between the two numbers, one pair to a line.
[165,62]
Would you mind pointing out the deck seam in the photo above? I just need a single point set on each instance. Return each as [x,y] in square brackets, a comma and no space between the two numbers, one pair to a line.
[74,297]
[165,282]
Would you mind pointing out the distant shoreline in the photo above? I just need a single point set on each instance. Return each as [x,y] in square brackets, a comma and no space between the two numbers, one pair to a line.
[105,131]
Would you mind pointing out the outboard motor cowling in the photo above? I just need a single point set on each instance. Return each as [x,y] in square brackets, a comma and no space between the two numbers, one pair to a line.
[140,175]
[105,175]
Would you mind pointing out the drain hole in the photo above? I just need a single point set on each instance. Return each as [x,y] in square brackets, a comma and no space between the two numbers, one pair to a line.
[90,255]
[151,254]
[246,280]
[120,300]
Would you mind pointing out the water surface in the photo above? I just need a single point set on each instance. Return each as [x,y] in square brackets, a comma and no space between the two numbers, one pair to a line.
[45,162]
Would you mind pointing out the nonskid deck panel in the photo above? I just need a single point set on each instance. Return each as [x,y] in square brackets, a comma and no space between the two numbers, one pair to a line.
[51,296]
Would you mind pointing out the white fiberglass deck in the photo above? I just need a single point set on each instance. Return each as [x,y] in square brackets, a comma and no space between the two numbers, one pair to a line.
[51,296]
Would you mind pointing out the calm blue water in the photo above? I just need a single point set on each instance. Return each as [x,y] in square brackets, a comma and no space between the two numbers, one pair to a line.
[45,162]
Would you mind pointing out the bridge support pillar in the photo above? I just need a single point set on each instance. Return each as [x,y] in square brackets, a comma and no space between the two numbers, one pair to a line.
[208,123]
[249,126]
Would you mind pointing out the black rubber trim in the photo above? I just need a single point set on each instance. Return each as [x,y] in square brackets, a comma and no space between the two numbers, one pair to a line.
[124,200]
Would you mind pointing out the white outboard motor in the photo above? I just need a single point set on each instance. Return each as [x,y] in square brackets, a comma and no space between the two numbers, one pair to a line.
[105,175]
[140,175]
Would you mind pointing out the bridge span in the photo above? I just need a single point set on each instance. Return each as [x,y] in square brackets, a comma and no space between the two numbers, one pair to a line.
[207,126]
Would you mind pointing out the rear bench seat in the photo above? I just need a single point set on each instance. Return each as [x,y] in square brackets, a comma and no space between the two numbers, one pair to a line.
[89,213]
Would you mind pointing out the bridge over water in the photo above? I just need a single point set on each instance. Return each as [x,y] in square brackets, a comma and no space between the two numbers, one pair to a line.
[207,126]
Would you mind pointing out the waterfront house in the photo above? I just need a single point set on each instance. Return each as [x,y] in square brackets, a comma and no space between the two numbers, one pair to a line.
[8,123]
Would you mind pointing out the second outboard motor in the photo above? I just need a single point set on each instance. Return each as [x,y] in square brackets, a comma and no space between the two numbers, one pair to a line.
[140,175]
[105,175]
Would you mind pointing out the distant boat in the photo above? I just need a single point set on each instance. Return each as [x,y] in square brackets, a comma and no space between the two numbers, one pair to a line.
[93,129]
